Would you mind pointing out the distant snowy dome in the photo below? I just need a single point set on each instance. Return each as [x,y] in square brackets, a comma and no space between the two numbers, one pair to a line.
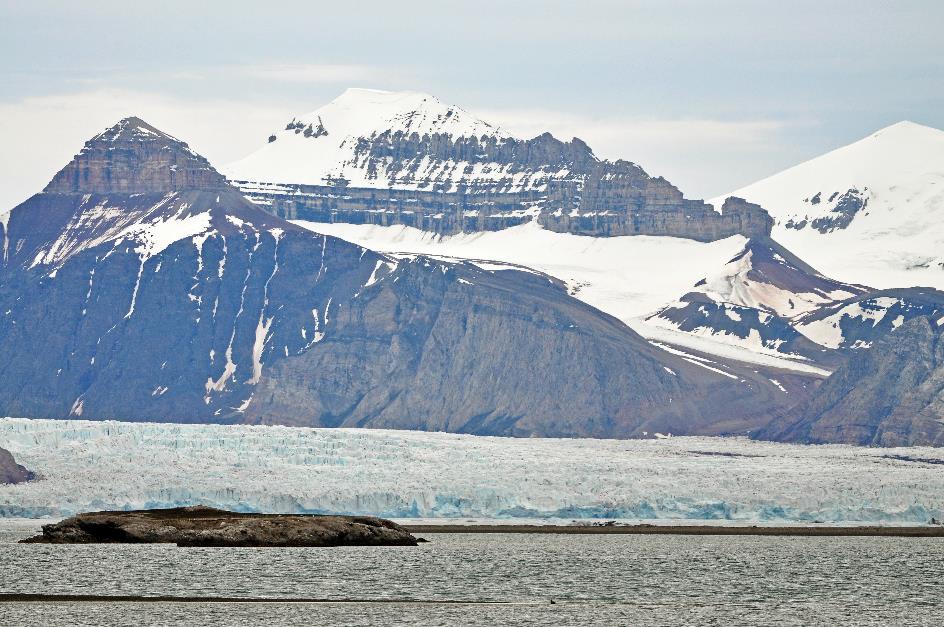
[358,110]
[319,146]
[870,212]
[880,162]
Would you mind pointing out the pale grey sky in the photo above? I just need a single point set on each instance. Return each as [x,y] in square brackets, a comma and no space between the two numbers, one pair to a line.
[711,95]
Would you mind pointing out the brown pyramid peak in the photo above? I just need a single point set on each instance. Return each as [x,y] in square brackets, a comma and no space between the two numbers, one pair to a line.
[134,157]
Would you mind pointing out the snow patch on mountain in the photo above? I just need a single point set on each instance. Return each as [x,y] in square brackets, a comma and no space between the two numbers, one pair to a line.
[156,236]
[151,228]
[857,322]
[5,224]
[827,331]
[723,345]
[626,277]
[742,282]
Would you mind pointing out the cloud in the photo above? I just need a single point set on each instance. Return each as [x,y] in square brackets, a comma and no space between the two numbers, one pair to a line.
[308,73]
[614,132]
[702,156]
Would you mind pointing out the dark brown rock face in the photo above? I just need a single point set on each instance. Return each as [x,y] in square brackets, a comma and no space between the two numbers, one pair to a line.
[891,394]
[10,471]
[135,157]
[206,526]
[562,184]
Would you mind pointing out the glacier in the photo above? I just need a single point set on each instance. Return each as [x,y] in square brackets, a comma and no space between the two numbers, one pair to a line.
[87,465]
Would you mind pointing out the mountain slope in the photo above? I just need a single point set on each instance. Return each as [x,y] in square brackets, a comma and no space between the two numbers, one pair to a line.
[140,286]
[751,300]
[10,471]
[891,394]
[613,274]
[869,212]
[859,321]
[769,300]
[405,158]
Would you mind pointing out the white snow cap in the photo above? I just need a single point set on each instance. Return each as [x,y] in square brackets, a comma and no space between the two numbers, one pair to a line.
[878,162]
[358,110]
[328,149]
[894,239]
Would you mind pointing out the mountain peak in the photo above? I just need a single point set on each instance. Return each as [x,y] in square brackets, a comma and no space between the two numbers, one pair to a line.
[767,276]
[134,157]
[357,95]
[867,212]
[133,128]
[906,126]
[327,143]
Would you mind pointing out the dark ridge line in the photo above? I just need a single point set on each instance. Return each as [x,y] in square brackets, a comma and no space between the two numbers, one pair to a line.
[689,530]
[917,460]
[138,598]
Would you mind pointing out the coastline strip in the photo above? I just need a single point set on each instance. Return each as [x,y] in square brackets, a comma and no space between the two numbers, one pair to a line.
[139,598]
[690,530]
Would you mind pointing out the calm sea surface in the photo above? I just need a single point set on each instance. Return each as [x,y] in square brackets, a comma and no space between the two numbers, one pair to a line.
[472,579]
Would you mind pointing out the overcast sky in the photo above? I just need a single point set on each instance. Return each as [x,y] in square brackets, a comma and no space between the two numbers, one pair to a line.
[711,95]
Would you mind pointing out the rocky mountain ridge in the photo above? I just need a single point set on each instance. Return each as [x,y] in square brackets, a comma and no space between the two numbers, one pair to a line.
[173,298]
[401,158]
[768,299]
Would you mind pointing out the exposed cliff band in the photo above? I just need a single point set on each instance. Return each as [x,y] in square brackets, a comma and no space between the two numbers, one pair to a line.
[390,158]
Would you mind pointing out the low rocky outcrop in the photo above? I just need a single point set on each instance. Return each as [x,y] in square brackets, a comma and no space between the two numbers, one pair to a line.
[10,471]
[207,526]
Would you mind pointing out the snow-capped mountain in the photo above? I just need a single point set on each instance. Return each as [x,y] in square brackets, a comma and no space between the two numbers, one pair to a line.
[406,158]
[136,187]
[870,212]
[400,171]
[770,301]
[327,145]
[752,300]
[139,285]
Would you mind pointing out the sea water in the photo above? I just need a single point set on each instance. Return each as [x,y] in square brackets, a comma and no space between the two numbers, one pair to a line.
[486,579]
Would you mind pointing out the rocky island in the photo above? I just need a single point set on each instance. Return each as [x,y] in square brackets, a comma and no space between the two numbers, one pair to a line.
[207,526]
